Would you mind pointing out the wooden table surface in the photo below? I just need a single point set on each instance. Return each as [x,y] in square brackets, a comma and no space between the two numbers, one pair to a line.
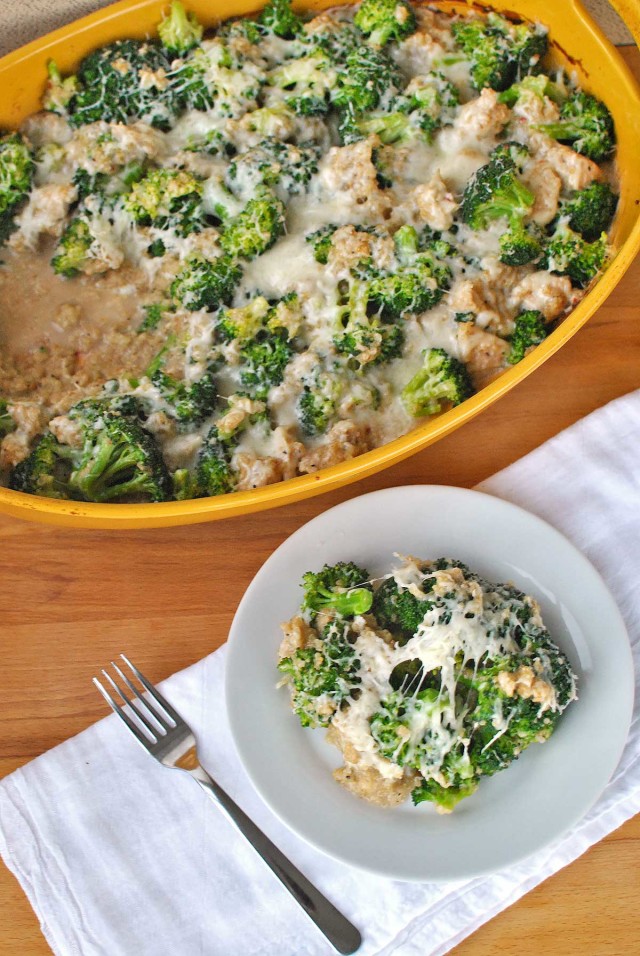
[73,600]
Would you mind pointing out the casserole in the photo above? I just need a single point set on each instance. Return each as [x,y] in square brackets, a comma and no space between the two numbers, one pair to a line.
[23,73]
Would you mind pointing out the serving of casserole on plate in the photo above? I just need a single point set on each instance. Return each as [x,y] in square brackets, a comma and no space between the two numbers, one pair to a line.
[511,813]
[278,258]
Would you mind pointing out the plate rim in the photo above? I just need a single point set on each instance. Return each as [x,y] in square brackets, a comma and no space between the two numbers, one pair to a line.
[627,692]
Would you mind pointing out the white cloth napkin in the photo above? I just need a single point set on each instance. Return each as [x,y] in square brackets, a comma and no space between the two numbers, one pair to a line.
[119,856]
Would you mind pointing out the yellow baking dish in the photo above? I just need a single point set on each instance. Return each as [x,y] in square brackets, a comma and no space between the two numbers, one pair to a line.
[577,44]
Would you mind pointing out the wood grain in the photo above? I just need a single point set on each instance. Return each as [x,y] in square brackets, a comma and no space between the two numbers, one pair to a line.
[72,600]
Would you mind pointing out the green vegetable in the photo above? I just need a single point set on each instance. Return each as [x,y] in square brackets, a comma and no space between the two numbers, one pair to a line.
[204,283]
[529,331]
[16,176]
[256,228]
[442,382]
[385,20]
[179,31]
[500,51]
[112,85]
[586,124]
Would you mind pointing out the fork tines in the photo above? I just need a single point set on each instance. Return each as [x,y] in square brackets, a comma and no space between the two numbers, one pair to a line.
[150,717]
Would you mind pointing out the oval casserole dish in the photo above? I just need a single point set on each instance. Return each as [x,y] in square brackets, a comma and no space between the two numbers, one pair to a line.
[600,70]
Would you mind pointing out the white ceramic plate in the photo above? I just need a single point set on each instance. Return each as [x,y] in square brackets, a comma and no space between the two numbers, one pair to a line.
[513,813]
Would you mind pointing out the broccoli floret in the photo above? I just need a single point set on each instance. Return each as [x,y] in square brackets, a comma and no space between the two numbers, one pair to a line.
[167,199]
[500,52]
[321,675]
[90,411]
[242,28]
[113,85]
[16,176]
[343,588]
[46,471]
[567,253]
[272,163]
[520,244]
[529,330]
[7,423]
[398,610]
[265,359]
[105,186]
[59,91]
[442,382]
[88,183]
[206,284]
[214,474]
[120,461]
[365,337]
[391,728]
[416,284]
[367,74]
[317,403]
[586,124]
[256,228]
[184,485]
[412,115]
[429,104]
[540,86]
[215,78]
[495,192]
[244,323]
[278,17]
[73,251]
[189,403]
[306,82]
[525,723]
[321,241]
[385,20]
[336,39]
[213,142]
[179,31]
[447,798]
[590,210]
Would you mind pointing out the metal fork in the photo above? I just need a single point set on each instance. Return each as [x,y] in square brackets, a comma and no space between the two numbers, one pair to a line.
[169,739]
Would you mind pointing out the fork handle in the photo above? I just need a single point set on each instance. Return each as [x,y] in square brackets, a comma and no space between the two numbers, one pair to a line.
[339,931]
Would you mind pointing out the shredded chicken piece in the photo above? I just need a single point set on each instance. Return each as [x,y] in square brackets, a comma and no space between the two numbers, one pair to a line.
[531,109]
[344,440]
[13,449]
[240,408]
[255,471]
[549,294]
[545,184]
[44,215]
[432,204]
[483,352]
[574,170]
[105,147]
[483,117]
[66,431]
[288,450]
[348,247]
[350,171]
[44,128]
